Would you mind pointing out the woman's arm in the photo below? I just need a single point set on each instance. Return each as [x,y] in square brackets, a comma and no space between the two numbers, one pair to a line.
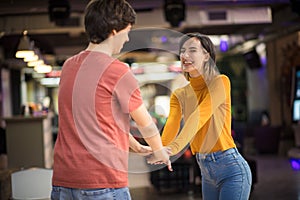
[172,124]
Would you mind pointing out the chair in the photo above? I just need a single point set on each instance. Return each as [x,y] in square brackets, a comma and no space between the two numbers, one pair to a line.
[32,183]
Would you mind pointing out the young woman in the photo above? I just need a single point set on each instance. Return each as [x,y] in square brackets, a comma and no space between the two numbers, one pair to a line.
[205,106]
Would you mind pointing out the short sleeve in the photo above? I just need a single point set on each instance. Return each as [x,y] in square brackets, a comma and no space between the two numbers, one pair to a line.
[128,92]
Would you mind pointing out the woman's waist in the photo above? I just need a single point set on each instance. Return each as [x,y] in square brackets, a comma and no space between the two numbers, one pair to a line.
[208,147]
[217,154]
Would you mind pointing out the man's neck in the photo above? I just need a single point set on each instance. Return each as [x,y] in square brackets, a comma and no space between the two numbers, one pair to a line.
[103,47]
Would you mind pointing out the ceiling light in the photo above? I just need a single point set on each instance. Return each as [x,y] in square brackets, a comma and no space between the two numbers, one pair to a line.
[31,58]
[35,63]
[25,47]
[174,11]
[58,10]
[43,68]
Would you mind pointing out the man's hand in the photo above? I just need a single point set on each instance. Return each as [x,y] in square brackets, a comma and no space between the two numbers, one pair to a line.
[137,147]
[161,156]
[144,150]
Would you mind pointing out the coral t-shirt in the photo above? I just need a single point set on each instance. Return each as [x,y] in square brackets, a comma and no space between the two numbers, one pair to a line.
[96,94]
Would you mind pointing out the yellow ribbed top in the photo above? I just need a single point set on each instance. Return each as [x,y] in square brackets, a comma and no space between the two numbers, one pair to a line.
[206,111]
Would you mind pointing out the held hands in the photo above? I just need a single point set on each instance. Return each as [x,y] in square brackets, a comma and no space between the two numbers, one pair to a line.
[138,148]
[161,156]
[144,150]
[141,150]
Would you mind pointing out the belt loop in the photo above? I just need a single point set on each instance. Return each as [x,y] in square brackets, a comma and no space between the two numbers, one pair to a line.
[235,152]
[213,157]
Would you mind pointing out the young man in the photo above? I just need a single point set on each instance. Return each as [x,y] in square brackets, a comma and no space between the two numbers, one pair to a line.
[97,96]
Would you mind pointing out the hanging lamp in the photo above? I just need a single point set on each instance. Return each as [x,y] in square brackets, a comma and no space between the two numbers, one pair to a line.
[25,47]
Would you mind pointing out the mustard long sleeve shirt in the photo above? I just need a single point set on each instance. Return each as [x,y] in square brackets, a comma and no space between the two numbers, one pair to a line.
[206,111]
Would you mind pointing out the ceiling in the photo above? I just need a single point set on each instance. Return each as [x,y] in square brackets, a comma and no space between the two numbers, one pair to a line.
[63,40]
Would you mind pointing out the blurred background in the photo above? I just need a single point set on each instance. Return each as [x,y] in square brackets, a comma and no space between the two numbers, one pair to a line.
[258,48]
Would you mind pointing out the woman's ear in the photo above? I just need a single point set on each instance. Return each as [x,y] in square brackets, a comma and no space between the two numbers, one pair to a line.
[206,57]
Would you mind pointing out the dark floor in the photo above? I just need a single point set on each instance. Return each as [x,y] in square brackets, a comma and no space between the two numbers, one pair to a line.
[276,181]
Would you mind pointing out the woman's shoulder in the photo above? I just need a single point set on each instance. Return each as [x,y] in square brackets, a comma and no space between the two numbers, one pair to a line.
[221,78]
[183,89]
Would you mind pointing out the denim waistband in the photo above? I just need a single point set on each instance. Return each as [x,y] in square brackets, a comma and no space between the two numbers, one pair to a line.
[216,155]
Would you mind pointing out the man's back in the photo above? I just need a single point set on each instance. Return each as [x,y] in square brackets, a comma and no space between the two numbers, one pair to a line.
[92,138]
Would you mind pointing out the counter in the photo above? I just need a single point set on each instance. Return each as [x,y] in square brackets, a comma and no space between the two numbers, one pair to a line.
[29,141]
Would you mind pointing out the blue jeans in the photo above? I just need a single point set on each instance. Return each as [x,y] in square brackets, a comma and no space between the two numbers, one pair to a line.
[225,175]
[62,193]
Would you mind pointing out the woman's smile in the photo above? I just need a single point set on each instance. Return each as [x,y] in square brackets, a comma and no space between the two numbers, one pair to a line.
[187,64]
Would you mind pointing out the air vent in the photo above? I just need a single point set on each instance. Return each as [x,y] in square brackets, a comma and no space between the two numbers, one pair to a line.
[217,15]
[235,16]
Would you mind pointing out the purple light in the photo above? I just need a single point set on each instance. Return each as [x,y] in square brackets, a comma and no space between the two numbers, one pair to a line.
[295,163]
[164,39]
[223,45]
[263,60]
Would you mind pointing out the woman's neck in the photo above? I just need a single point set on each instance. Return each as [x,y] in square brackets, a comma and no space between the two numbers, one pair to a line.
[194,75]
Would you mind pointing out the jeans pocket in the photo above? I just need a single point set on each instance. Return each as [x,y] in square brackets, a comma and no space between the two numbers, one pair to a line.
[55,193]
[126,194]
[96,192]
[105,194]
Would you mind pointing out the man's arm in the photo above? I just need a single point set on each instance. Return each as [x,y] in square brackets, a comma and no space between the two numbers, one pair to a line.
[147,127]
[150,134]
[137,147]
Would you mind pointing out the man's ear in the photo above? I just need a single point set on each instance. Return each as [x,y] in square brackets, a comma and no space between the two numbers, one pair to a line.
[114,32]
